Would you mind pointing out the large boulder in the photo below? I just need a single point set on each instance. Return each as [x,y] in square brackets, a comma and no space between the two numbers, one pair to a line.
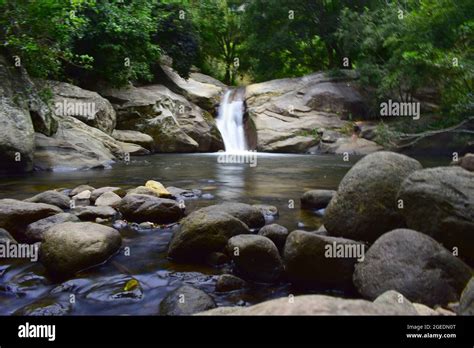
[35,231]
[134,137]
[338,97]
[365,204]
[142,208]
[285,115]
[16,215]
[413,264]
[87,106]
[186,300]
[351,146]
[203,232]
[466,304]
[292,144]
[22,112]
[169,136]
[200,89]
[75,146]
[251,216]
[446,196]
[315,261]
[255,257]
[175,124]
[16,138]
[313,305]
[133,149]
[70,247]
[51,197]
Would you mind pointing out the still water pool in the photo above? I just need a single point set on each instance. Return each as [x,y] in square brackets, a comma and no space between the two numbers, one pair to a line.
[277,180]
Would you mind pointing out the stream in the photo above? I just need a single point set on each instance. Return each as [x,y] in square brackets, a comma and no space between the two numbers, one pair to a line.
[276,180]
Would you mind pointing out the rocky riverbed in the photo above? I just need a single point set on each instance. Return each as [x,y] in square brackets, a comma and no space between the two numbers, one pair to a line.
[383,237]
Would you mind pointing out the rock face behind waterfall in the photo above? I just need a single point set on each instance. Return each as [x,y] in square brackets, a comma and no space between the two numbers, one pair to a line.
[175,124]
[176,115]
[90,107]
[199,89]
[292,115]
[36,133]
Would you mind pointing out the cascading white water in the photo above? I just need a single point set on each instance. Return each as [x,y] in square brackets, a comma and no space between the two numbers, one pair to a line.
[230,121]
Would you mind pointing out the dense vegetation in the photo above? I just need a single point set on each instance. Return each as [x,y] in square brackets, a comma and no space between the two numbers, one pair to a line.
[400,48]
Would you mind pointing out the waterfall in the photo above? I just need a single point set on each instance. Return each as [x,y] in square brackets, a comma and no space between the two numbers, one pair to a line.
[230,120]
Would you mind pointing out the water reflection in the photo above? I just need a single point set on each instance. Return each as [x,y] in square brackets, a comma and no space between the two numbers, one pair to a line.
[276,180]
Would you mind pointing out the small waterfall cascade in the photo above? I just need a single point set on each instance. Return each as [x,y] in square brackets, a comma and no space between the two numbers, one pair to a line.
[230,120]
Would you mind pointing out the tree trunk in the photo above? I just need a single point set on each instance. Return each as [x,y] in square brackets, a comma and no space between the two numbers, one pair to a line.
[227,80]
[330,55]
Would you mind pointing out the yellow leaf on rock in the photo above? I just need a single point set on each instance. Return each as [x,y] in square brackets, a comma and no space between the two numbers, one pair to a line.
[132,284]
[209,188]
[158,188]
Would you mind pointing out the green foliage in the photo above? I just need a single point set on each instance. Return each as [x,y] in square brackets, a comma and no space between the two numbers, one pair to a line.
[89,40]
[315,133]
[385,136]
[118,36]
[177,36]
[401,47]
[270,45]
[41,33]
[220,27]
[45,94]
[347,128]
[292,38]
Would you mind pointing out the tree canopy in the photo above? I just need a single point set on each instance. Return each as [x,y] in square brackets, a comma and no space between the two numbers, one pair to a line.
[398,47]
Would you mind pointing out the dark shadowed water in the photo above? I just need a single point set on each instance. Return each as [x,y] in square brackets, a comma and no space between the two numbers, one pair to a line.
[277,180]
